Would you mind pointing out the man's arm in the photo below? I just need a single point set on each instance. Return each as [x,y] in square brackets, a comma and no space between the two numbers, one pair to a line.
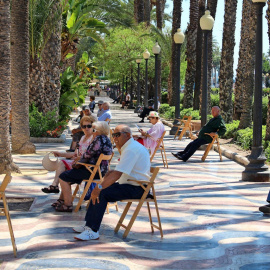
[222,128]
[109,178]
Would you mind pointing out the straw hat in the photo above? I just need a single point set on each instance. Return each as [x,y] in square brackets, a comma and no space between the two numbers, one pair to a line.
[153,114]
[48,164]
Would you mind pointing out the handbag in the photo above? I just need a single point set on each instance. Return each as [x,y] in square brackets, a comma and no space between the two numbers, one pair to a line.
[48,164]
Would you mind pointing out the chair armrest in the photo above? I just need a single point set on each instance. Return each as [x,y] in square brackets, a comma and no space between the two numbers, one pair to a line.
[139,181]
[86,164]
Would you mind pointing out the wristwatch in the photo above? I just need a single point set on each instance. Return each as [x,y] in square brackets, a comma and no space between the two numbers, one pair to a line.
[100,186]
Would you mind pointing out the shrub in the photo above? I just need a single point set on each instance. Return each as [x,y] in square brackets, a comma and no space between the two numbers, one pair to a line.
[215,91]
[45,125]
[267,150]
[214,100]
[231,129]
[189,111]
[244,138]
[264,109]
[266,92]
[164,97]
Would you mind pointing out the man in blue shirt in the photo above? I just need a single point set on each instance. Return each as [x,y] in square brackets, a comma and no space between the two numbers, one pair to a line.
[106,112]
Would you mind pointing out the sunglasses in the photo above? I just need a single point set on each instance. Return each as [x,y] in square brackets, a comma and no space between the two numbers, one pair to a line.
[117,134]
[86,126]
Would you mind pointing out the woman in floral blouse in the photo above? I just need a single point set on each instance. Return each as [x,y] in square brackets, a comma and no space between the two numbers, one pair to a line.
[101,144]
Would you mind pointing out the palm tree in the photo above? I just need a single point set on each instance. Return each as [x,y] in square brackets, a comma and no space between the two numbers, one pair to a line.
[147,10]
[19,78]
[267,136]
[191,53]
[172,90]
[245,70]
[226,65]
[6,162]
[51,56]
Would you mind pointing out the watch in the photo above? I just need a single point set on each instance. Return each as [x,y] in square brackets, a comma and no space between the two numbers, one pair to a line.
[100,186]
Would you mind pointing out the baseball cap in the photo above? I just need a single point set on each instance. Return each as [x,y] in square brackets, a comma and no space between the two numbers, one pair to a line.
[86,108]
[100,102]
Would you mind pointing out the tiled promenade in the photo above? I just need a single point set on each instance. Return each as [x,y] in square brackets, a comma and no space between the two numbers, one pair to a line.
[209,217]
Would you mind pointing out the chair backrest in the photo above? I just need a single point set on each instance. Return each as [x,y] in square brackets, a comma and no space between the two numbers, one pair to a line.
[186,120]
[160,141]
[5,182]
[154,171]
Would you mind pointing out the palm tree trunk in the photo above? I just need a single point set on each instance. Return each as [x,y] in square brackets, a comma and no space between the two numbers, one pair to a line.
[177,7]
[226,65]
[191,54]
[20,78]
[51,57]
[140,11]
[248,76]
[36,82]
[197,90]
[267,136]
[6,162]
[147,12]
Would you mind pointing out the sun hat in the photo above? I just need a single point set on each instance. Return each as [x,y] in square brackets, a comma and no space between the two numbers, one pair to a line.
[100,102]
[153,114]
[86,108]
[48,164]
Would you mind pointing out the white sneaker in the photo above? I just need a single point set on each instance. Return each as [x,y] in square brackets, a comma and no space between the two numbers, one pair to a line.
[87,234]
[79,229]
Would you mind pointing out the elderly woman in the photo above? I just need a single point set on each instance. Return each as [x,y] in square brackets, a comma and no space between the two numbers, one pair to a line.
[150,138]
[66,164]
[101,144]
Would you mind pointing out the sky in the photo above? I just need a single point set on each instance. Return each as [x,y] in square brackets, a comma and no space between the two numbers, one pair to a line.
[218,25]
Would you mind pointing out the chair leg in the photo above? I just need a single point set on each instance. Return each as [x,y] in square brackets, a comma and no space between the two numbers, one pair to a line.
[207,151]
[136,212]
[219,151]
[150,217]
[120,222]
[75,192]
[157,211]
[182,133]
[82,197]
[107,209]
[161,151]
[10,226]
[165,156]
[175,135]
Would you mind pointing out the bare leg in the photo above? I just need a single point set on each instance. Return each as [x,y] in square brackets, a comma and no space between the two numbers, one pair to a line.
[60,168]
[66,192]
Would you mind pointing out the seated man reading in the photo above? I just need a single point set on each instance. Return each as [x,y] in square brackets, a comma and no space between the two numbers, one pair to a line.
[134,164]
[214,125]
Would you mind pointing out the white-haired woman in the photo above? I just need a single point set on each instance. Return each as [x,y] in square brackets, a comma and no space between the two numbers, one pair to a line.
[66,164]
[101,144]
[150,138]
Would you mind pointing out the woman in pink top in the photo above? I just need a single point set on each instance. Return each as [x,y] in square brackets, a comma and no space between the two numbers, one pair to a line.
[66,164]
[149,139]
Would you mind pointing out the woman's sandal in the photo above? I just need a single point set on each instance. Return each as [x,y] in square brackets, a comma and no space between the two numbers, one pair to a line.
[51,189]
[58,203]
[64,208]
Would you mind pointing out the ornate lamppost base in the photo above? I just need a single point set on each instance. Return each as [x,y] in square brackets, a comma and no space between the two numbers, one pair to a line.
[256,170]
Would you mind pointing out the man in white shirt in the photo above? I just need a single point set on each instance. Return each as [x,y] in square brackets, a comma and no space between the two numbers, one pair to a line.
[134,164]
[106,112]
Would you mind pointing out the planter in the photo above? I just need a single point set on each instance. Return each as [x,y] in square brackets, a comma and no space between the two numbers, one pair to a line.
[61,139]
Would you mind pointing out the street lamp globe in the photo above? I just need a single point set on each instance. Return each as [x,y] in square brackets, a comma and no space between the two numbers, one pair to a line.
[146,54]
[207,21]
[156,49]
[138,60]
[179,37]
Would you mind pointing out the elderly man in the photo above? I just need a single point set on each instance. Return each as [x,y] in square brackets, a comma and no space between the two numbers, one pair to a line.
[215,125]
[106,112]
[134,164]
[100,110]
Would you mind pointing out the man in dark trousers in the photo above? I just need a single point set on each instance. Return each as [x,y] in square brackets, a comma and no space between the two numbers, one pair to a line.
[215,125]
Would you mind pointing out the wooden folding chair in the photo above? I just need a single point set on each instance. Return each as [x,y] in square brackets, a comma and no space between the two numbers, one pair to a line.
[93,169]
[185,124]
[5,211]
[111,138]
[147,186]
[160,146]
[209,147]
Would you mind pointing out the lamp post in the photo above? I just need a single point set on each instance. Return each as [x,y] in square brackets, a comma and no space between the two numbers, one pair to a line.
[256,170]
[146,56]
[206,23]
[179,38]
[156,51]
[138,61]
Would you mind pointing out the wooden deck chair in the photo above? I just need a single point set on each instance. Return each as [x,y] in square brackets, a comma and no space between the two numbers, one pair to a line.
[185,124]
[160,146]
[147,186]
[111,138]
[5,211]
[209,147]
[93,168]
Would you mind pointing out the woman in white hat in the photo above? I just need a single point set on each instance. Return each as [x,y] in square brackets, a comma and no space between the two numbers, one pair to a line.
[66,164]
[149,139]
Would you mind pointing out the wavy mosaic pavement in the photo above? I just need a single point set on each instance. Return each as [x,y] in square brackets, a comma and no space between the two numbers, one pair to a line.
[210,220]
